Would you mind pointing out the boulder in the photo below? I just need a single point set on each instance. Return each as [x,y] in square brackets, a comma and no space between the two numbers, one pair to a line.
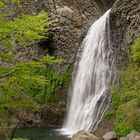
[66,12]
[124,138]
[110,136]
[136,138]
[83,135]
[133,135]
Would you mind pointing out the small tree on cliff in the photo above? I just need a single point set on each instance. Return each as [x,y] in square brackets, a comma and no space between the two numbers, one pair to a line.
[20,82]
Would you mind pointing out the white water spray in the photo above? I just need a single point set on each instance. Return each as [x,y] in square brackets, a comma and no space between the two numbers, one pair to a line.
[88,96]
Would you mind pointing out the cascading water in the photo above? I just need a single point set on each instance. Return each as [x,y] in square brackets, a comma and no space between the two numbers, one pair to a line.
[88,97]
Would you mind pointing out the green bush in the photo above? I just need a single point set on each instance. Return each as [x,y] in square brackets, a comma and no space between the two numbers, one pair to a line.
[136,51]
[56,81]
[128,117]
[108,115]
[24,85]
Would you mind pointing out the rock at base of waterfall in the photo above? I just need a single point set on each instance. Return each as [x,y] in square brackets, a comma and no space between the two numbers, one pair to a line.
[123,138]
[136,138]
[132,138]
[83,135]
[133,135]
[110,136]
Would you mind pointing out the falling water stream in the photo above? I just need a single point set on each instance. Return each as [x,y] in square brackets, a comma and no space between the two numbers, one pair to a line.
[88,97]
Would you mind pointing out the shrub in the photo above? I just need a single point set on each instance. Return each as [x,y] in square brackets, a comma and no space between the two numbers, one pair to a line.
[126,98]
[108,115]
[136,51]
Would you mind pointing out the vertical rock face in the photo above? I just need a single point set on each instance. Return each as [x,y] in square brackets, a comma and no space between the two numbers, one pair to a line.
[70,22]
[125,27]
[104,4]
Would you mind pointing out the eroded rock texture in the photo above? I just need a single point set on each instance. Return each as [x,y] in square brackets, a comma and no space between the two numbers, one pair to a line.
[70,22]
[125,27]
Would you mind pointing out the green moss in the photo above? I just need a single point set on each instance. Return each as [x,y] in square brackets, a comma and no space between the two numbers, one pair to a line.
[108,115]
[25,85]
[57,81]
[136,51]
[125,55]
[127,117]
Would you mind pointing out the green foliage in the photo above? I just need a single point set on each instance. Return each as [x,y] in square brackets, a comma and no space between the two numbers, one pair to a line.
[126,98]
[108,115]
[56,82]
[2,5]
[23,30]
[136,51]
[5,130]
[6,57]
[128,117]
[20,31]
[20,82]
[125,55]
[126,101]
[24,85]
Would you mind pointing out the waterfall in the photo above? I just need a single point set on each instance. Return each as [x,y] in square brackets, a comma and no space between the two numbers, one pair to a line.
[88,96]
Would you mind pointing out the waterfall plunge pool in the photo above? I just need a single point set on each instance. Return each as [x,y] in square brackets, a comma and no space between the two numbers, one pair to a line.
[39,134]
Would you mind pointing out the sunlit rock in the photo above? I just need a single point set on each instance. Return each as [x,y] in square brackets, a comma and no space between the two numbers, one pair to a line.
[83,135]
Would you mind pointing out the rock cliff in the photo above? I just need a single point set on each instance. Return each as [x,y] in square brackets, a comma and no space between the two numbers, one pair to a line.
[70,22]
[125,27]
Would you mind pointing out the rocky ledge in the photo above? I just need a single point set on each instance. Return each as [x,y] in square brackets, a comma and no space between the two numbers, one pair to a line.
[48,115]
[83,135]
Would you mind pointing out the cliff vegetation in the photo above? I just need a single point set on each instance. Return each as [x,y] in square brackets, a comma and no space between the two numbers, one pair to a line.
[126,97]
[25,85]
